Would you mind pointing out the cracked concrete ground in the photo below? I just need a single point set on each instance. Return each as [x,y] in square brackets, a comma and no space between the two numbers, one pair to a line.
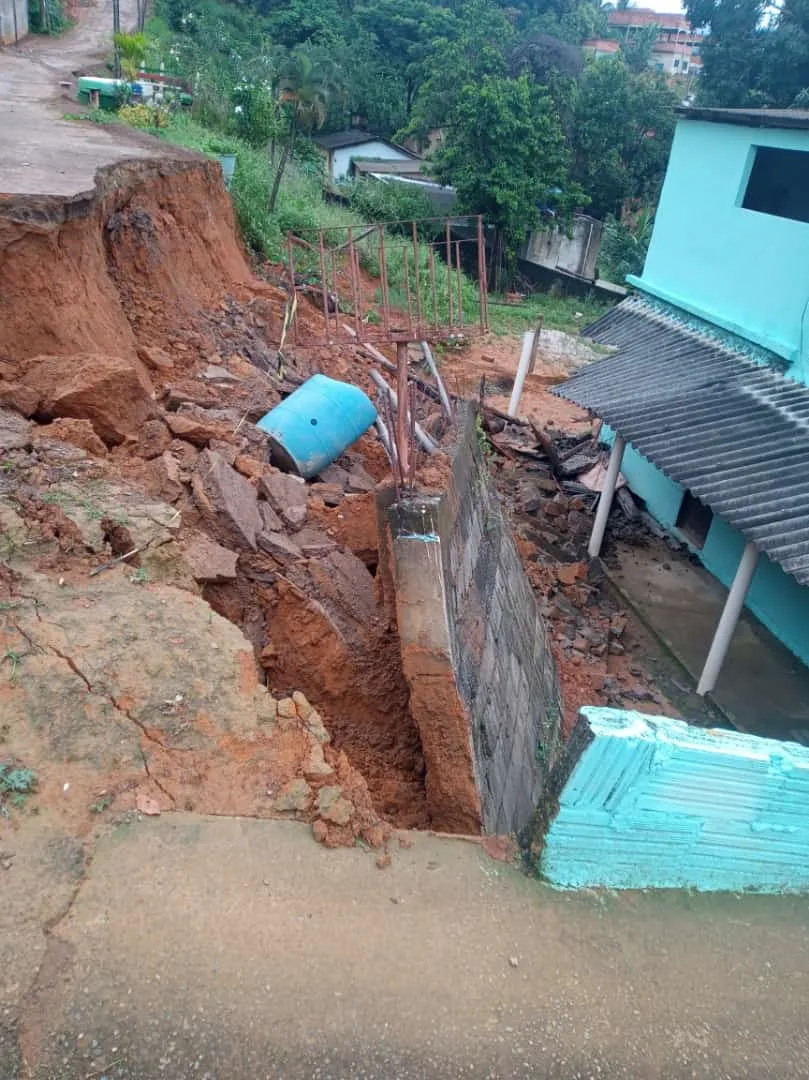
[224,948]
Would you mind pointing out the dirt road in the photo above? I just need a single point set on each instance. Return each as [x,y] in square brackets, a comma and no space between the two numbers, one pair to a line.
[40,152]
[199,947]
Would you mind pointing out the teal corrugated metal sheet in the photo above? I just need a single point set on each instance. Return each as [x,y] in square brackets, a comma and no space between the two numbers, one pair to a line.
[654,803]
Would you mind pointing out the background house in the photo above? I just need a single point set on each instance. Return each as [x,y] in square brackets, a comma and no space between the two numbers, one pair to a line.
[676,51]
[709,389]
[343,147]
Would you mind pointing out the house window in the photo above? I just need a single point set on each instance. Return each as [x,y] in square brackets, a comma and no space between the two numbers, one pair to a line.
[685,66]
[694,519]
[676,63]
[779,183]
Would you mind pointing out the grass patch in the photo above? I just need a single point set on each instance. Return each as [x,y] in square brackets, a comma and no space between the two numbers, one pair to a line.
[568,313]
[300,201]
[16,784]
[301,206]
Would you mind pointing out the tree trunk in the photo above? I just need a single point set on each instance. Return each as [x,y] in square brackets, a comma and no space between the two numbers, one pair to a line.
[285,153]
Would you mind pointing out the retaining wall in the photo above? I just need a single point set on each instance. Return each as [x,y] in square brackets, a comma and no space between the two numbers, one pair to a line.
[649,802]
[475,651]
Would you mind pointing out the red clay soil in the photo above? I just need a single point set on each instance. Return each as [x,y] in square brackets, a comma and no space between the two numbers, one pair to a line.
[149,270]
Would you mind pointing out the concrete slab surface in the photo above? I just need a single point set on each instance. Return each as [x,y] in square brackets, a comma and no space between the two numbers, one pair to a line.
[237,949]
[762,686]
[40,152]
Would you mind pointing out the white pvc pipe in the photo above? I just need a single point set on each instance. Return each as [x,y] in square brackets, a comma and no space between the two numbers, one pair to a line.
[439,382]
[605,502]
[422,436]
[729,619]
[522,371]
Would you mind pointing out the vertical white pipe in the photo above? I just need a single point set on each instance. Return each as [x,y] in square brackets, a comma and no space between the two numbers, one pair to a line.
[522,371]
[729,619]
[439,382]
[605,502]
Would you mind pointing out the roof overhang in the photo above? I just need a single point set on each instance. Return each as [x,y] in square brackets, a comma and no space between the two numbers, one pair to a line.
[712,416]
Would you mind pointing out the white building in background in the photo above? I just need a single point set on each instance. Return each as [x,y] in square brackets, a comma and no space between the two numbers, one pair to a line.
[344,147]
[676,52]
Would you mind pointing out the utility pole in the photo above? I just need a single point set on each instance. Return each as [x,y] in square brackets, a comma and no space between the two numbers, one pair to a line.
[116,29]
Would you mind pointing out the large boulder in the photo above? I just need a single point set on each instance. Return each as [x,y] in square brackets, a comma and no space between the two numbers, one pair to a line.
[226,500]
[109,391]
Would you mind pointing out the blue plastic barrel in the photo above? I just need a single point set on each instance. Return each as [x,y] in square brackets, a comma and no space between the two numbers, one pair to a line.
[315,424]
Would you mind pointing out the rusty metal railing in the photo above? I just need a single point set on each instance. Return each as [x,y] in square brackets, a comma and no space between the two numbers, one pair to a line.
[395,281]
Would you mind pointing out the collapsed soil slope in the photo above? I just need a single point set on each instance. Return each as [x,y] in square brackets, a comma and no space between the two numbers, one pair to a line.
[153,244]
[136,338]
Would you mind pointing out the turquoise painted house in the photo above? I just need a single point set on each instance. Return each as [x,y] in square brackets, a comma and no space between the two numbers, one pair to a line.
[707,395]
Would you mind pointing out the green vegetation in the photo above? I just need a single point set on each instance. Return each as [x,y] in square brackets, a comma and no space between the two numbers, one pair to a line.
[529,131]
[756,54]
[47,17]
[507,159]
[567,313]
[624,245]
[132,51]
[16,785]
[14,658]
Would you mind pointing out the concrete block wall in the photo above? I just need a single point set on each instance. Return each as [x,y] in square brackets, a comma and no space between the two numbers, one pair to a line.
[13,21]
[469,623]
[649,802]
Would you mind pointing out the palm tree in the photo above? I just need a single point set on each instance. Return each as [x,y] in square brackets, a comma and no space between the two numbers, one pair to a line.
[304,90]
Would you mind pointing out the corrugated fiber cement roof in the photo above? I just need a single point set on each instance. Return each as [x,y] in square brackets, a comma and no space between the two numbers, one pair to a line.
[732,430]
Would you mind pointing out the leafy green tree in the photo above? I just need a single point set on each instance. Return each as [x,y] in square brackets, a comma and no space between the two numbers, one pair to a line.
[621,134]
[505,155]
[404,33]
[294,22]
[624,245]
[637,47]
[132,49]
[304,92]
[540,55]
[733,53]
[785,55]
[476,50]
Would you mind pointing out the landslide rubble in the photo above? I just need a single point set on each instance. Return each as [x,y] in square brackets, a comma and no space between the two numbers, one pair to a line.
[178,619]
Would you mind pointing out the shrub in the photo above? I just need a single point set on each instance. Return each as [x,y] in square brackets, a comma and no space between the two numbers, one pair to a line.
[146,117]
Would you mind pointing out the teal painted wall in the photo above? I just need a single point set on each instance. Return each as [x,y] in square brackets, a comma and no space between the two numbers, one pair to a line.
[746,271]
[775,597]
[654,803]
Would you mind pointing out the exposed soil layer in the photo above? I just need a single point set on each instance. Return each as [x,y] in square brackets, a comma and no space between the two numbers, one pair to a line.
[142,347]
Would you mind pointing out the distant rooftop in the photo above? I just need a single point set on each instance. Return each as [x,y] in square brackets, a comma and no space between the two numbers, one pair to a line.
[648,17]
[414,167]
[771,118]
[339,140]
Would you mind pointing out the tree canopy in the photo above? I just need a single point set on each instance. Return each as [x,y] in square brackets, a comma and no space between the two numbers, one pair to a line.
[528,129]
[755,54]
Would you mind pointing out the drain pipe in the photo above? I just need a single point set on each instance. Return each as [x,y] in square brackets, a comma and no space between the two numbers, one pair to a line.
[605,502]
[729,619]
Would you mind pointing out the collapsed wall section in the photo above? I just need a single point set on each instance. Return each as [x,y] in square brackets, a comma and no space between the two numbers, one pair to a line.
[483,684]
[650,802]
